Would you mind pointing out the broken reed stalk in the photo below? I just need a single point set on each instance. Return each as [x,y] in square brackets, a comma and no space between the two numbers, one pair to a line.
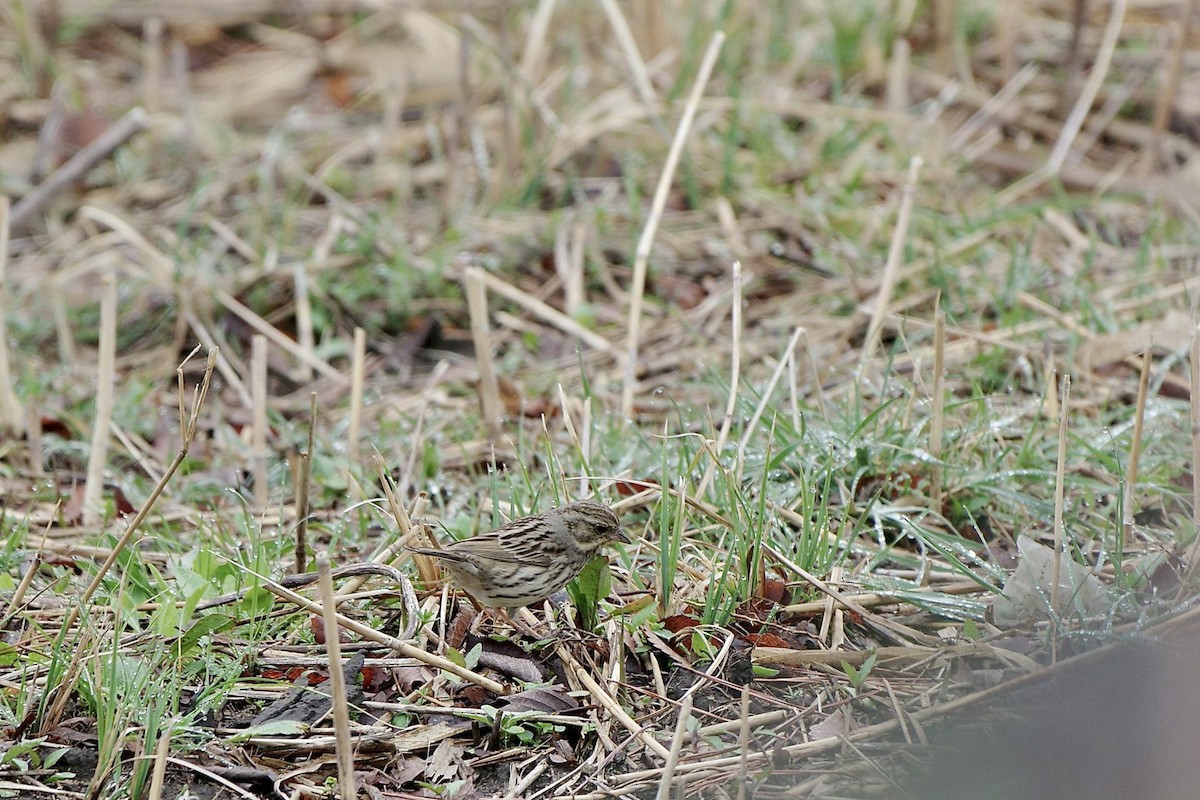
[891,269]
[1135,446]
[93,489]
[188,434]
[80,164]
[358,369]
[938,410]
[489,389]
[1091,88]
[645,242]
[258,429]
[898,75]
[303,478]
[1059,494]
[668,772]
[337,681]
[10,407]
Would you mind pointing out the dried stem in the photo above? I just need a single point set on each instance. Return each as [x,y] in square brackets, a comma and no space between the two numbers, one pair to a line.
[258,431]
[489,389]
[1059,492]
[102,421]
[642,257]
[337,681]
[1135,446]
[1091,88]
[10,407]
[188,434]
[939,407]
[358,369]
[890,270]
[303,478]
[79,165]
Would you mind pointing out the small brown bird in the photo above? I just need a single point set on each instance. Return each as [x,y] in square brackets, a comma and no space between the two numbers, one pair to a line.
[531,557]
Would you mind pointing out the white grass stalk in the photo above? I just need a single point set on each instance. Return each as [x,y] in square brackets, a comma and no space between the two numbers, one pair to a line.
[101,423]
[1135,446]
[161,753]
[744,744]
[152,60]
[1091,88]
[489,389]
[735,372]
[258,431]
[305,336]
[337,681]
[939,407]
[1194,552]
[629,48]
[891,269]
[1059,493]
[685,714]
[642,257]
[358,370]
[765,401]
[536,307]
[10,408]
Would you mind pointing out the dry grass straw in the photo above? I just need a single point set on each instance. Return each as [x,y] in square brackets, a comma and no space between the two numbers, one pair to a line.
[1170,90]
[258,434]
[10,407]
[629,48]
[646,241]
[152,63]
[892,266]
[188,428]
[489,387]
[400,646]
[162,752]
[765,401]
[93,505]
[735,376]
[546,312]
[337,681]
[303,479]
[1135,445]
[937,411]
[358,369]
[681,726]
[277,337]
[1079,112]
[1060,493]
[1194,549]
[66,176]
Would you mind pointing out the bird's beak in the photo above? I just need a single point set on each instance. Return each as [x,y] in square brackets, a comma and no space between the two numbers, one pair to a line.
[623,536]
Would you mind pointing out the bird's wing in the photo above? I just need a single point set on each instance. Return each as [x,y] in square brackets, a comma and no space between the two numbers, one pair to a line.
[513,544]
